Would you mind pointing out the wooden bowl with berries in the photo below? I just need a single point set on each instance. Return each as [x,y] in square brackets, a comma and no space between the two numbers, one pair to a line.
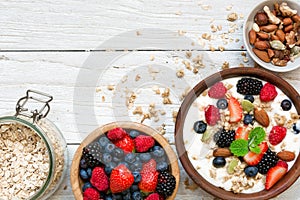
[237,134]
[124,160]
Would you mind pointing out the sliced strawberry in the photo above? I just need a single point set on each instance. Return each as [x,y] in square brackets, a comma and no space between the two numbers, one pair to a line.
[282,164]
[217,91]
[274,175]
[277,134]
[212,115]
[235,110]
[241,133]
[126,144]
[252,158]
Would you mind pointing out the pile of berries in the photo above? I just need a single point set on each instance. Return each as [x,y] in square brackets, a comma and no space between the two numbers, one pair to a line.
[126,165]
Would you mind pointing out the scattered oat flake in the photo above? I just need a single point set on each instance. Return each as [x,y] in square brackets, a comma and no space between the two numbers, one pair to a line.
[178,13]
[225,65]
[188,54]
[221,48]
[181,32]
[152,57]
[228,8]
[138,33]
[232,17]
[138,111]
[110,87]
[206,7]
[103,98]
[180,73]
[167,100]
[137,77]
[98,89]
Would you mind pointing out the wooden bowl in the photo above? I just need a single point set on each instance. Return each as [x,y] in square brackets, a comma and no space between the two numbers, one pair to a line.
[76,181]
[278,188]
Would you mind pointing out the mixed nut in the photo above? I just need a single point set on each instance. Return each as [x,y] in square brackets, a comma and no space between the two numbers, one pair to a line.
[275,35]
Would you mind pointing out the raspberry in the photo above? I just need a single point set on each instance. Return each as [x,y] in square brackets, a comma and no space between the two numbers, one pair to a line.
[212,115]
[268,92]
[154,196]
[277,134]
[217,91]
[143,143]
[99,179]
[91,194]
[116,134]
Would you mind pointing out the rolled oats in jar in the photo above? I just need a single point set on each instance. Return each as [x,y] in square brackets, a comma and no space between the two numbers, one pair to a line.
[33,152]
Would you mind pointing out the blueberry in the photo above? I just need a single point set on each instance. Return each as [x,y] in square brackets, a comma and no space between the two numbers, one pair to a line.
[130,158]
[109,167]
[136,166]
[158,151]
[89,172]
[249,98]
[116,160]
[83,174]
[286,105]
[222,104]
[145,157]
[134,188]
[248,119]
[137,177]
[124,163]
[108,197]
[296,127]
[86,185]
[83,164]
[106,158]
[127,196]
[109,148]
[251,171]
[162,166]
[134,133]
[117,152]
[117,196]
[103,141]
[219,162]
[200,126]
[137,195]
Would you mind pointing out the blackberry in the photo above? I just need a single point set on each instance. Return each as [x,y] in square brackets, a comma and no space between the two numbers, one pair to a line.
[249,86]
[92,154]
[224,138]
[166,183]
[269,160]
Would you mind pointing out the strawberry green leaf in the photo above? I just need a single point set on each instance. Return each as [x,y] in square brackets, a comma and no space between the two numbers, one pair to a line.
[255,149]
[239,147]
[256,136]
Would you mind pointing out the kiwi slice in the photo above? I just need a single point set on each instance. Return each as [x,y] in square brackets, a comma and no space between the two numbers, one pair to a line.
[247,105]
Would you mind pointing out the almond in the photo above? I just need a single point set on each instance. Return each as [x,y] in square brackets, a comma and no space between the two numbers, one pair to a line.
[286,155]
[274,37]
[287,21]
[252,36]
[262,55]
[271,53]
[261,116]
[263,36]
[269,28]
[281,35]
[262,45]
[288,28]
[224,152]
[296,18]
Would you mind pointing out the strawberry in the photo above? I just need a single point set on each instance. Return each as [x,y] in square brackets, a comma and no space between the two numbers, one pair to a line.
[235,110]
[282,164]
[91,194]
[212,115]
[274,175]
[116,134]
[268,92]
[99,179]
[252,158]
[241,133]
[149,177]
[126,144]
[120,179]
[143,143]
[277,134]
[217,91]
[154,196]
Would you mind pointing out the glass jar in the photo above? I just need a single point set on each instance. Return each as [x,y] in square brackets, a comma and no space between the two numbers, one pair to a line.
[33,150]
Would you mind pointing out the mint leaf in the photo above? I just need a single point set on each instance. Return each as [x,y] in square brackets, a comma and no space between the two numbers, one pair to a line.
[239,147]
[256,136]
[255,149]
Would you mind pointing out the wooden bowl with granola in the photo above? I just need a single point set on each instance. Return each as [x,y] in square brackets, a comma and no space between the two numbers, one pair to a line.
[237,134]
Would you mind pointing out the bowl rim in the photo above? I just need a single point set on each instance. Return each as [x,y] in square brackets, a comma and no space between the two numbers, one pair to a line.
[285,182]
[248,46]
[74,170]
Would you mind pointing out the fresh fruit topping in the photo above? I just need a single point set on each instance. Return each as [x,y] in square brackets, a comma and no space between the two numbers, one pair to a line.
[86,185]
[162,166]
[296,127]
[116,134]
[241,133]
[268,160]
[286,105]
[248,119]
[92,154]
[91,194]
[83,174]
[268,92]
[249,98]
[149,177]
[120,179]
[231,166]
[126,143]
[282,164]
[143,143]
[247,106]
[136,195]
[207,135]
[223,152]
[217,91]
[212,115]
[103,141]
[166,184]
[262,117]
[137,176]
[249,86]
[277,134]
[222,104]
[252,158]
[274,175]
[250,171]
[286,155]
[235,110]
[200,126]
[219,162]
[134,133]
[158,152]
[99,179]
[223,138]
[153,196]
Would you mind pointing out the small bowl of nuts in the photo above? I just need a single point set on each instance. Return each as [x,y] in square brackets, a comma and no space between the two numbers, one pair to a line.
[272,35]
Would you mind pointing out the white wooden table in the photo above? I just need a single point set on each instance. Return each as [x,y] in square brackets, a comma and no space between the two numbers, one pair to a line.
[79,50]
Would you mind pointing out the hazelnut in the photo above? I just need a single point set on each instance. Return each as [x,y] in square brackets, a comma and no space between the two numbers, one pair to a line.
[261,18]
